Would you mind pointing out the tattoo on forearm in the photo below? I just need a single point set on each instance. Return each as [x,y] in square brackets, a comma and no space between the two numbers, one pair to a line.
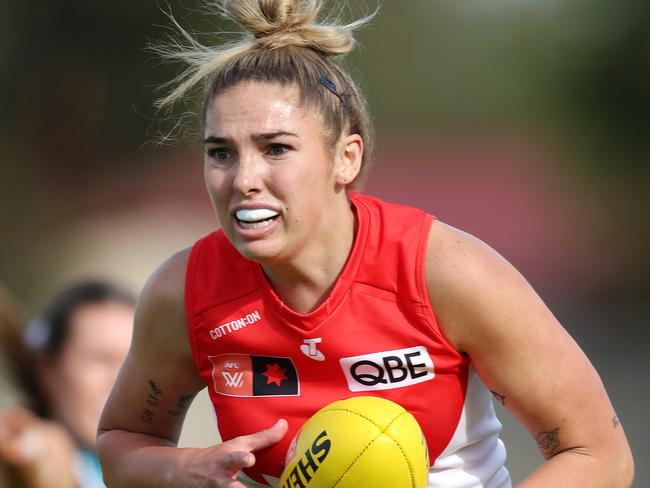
[182,404]
[616,421]
[147,416]
[499,397]
[548,442]
[152,401]
[154,395]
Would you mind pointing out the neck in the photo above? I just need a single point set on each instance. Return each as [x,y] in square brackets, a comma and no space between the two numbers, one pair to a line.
[306,282]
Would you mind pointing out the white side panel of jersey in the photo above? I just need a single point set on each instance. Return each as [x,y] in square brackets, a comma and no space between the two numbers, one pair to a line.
[475,456]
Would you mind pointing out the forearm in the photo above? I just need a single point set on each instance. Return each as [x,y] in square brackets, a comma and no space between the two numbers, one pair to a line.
[576,469]
[140,461]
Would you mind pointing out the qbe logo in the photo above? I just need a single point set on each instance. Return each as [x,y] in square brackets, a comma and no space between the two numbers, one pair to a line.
[387,370]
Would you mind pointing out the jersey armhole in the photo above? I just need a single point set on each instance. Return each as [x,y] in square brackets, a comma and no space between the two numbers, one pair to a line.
[190,308]
[421,278]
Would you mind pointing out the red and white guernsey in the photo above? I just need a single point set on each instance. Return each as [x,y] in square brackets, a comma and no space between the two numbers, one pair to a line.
[376,334]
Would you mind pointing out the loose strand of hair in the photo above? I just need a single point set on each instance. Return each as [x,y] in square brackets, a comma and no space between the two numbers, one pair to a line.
[202,60]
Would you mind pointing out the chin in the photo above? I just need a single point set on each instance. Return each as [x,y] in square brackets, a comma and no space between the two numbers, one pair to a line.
[260,252]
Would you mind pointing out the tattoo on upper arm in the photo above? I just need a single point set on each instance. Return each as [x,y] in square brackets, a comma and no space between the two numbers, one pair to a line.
[616,421]
[499,397]
[548,442]
[182,404]
[153,399]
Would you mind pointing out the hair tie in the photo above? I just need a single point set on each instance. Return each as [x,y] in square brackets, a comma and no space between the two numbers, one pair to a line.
[329,84]
[37,334]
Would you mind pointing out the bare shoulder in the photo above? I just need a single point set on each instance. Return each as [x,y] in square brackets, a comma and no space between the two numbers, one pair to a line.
[453,256]
[468,280]
[160,313]
[166,286]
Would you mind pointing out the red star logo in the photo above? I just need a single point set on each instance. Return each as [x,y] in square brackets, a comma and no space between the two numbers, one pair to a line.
[274,374]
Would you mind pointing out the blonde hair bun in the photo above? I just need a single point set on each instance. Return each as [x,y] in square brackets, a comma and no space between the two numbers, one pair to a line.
[282,23]
[286,42]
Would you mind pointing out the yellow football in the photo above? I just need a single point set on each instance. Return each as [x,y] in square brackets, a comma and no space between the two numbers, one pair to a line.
[360,442]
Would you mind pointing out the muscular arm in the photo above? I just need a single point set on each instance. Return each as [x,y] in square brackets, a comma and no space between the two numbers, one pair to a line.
[488,311]
[142,419]
[157,375]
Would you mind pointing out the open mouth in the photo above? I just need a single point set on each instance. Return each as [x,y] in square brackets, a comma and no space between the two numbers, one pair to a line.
[256,218]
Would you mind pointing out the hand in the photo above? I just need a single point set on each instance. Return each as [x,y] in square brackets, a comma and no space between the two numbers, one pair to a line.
[219,465]
[35,453]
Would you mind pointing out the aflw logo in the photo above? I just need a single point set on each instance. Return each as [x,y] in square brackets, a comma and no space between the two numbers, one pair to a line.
[233,380]
[245,375]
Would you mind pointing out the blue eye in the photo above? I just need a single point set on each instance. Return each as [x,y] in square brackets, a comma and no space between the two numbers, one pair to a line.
[219,153]
[278,150]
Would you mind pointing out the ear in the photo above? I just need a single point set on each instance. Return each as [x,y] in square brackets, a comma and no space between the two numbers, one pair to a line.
[348,159]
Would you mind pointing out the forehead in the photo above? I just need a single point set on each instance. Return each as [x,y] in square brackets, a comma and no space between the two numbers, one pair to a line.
[252,106]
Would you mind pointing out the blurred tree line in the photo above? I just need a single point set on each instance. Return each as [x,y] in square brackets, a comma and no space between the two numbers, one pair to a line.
[77,88]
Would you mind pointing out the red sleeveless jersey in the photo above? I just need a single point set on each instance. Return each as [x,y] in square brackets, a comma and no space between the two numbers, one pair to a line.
[376,334]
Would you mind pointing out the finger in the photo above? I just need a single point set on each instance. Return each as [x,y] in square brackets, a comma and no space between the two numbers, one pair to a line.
[235,461]
[262,439]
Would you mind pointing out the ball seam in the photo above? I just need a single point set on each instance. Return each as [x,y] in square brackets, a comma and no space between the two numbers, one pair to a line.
[359,414]
[401,449]
[381,431]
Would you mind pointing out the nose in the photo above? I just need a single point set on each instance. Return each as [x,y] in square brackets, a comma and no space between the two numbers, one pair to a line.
[248,175]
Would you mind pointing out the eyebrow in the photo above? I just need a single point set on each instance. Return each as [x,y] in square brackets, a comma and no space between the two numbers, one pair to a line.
[260,137]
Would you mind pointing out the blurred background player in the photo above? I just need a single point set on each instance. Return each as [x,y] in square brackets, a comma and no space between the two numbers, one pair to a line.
[14,366]
[34,453]
[74,351]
